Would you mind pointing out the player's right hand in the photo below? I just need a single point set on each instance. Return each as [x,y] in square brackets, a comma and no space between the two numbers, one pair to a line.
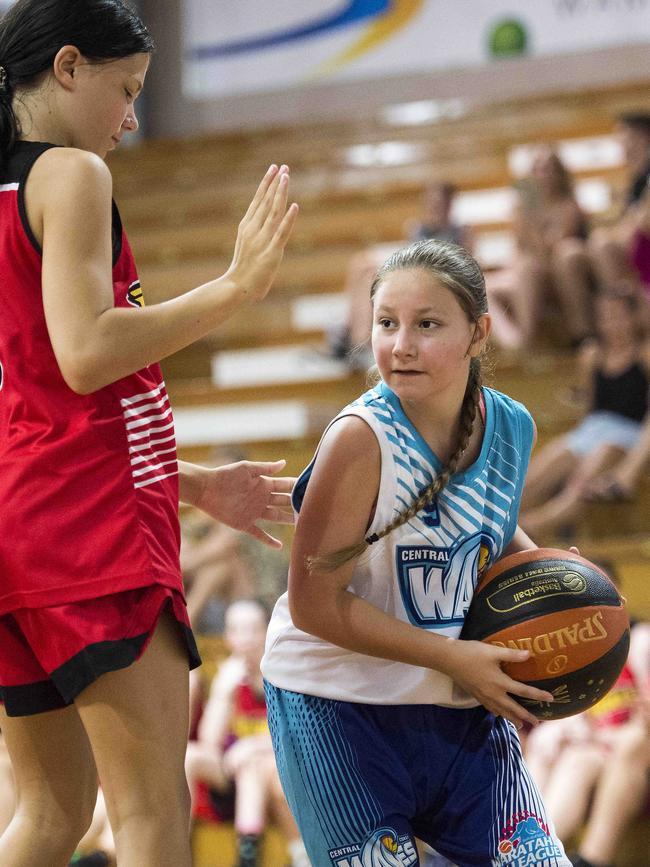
[477,668]
[263,234]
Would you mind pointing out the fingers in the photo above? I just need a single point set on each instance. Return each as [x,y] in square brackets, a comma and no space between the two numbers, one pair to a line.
[260,468]
[265,183]
[276,191]
[283,485]
[286,226]
[278,516]
[531,694]
[282,500]
[263,537]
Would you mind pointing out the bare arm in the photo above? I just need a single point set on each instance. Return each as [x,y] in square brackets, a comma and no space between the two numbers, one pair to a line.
[336,514]
[69,206]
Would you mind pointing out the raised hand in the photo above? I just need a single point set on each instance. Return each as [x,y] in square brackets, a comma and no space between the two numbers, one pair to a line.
[241,494]
[476,667]
[263,234]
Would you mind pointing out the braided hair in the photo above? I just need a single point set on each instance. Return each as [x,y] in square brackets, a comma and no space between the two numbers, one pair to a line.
[452,266]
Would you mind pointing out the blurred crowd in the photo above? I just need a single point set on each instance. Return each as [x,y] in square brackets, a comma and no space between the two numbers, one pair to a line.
[576,283]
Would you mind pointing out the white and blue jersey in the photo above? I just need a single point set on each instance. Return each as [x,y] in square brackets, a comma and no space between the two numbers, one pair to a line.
[425,571]
[373,753]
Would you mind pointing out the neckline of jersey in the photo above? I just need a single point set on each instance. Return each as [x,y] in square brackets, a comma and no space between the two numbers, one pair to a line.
[474,469]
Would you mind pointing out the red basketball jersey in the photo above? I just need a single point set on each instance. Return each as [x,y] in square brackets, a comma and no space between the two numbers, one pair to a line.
[88,483]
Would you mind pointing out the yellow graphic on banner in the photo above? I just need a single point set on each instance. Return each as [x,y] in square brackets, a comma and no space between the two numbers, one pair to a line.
[398,16]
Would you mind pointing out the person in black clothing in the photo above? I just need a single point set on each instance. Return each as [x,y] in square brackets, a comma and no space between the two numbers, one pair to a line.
[616,375]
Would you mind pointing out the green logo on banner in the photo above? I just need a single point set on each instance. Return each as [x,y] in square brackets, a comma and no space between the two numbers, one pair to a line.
[508,38]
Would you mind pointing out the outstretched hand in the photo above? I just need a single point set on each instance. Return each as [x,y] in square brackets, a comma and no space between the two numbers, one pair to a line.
[263,234]
[477,668]
[241,494]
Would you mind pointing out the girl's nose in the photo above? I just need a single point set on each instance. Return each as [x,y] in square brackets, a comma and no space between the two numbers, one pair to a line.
[403,345]
[131,122]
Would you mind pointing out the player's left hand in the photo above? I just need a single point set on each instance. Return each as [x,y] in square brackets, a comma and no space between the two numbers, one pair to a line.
[241,494]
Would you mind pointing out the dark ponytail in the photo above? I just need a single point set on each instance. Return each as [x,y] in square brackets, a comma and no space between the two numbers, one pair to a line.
[459,272]
[33,31]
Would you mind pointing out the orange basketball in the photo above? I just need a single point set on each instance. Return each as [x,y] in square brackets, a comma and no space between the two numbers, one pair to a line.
[567,613]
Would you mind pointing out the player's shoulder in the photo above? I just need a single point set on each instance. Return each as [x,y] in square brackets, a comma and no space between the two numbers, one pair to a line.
[349,439]
[64,172]
[503,404]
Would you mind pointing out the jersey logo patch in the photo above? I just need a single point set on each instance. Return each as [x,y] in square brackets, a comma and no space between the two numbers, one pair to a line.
[436,583]
[134,296]
[383,848]
[526,840]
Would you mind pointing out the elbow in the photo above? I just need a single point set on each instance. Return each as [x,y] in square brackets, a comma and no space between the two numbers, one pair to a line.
[301,615]
[297,615]
[79,383]
[81,376]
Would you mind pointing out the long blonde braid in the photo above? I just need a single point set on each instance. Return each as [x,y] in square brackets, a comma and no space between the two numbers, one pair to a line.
[458,271]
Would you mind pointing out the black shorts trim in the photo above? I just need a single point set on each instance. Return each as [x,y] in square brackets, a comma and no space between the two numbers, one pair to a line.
[70,679]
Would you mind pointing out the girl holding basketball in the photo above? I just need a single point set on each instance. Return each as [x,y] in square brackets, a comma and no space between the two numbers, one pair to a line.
[386,726]
[93,627]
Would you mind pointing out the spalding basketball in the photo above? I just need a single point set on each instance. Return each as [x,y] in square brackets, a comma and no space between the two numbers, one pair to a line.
[567,613]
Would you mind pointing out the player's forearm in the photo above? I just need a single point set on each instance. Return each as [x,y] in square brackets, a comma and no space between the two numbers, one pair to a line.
[520,541]
[122,340]
[347,620]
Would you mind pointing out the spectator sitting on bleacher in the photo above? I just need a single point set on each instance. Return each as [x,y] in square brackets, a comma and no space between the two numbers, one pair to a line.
[568,758]
[548,224]
[233,752]
[623,787]
[620,250]
[615,369]
[350,341]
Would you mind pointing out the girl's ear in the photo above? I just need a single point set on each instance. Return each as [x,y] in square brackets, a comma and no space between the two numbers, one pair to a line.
[64,66]
[482,330]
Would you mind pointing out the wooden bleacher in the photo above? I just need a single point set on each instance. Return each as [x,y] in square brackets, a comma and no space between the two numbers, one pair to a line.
[181,202]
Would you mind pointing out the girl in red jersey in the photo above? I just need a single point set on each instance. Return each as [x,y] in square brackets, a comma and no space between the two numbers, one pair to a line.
[93,628]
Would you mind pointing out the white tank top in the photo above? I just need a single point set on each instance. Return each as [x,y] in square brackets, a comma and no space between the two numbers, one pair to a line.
[424,572]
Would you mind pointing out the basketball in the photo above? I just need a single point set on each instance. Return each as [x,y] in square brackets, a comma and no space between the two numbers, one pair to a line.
[567,613]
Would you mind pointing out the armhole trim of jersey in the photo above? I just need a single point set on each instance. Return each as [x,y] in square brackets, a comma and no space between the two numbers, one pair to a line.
[116,232]
[22,209]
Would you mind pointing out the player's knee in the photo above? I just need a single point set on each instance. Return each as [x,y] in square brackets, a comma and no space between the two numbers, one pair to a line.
[62,823]
[161,805]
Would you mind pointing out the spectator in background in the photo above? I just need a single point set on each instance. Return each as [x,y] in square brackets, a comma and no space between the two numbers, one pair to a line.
[233,752]
[549,225]
[624,785]
[573,467]
[569,758]
[620,250]
[351,340]
[621,794]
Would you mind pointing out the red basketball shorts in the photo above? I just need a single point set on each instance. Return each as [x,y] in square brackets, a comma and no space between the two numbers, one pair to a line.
[49,655]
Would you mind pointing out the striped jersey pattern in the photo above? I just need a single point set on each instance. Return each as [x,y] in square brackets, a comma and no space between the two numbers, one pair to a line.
[486,501]
[150,434]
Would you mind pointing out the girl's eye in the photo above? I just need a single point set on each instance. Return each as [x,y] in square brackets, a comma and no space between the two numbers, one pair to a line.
[428,324]
[128,93]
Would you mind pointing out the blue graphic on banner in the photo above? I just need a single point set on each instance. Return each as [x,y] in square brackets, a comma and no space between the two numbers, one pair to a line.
[352,13]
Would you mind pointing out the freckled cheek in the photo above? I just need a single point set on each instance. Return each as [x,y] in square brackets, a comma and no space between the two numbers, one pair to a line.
[442,355]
